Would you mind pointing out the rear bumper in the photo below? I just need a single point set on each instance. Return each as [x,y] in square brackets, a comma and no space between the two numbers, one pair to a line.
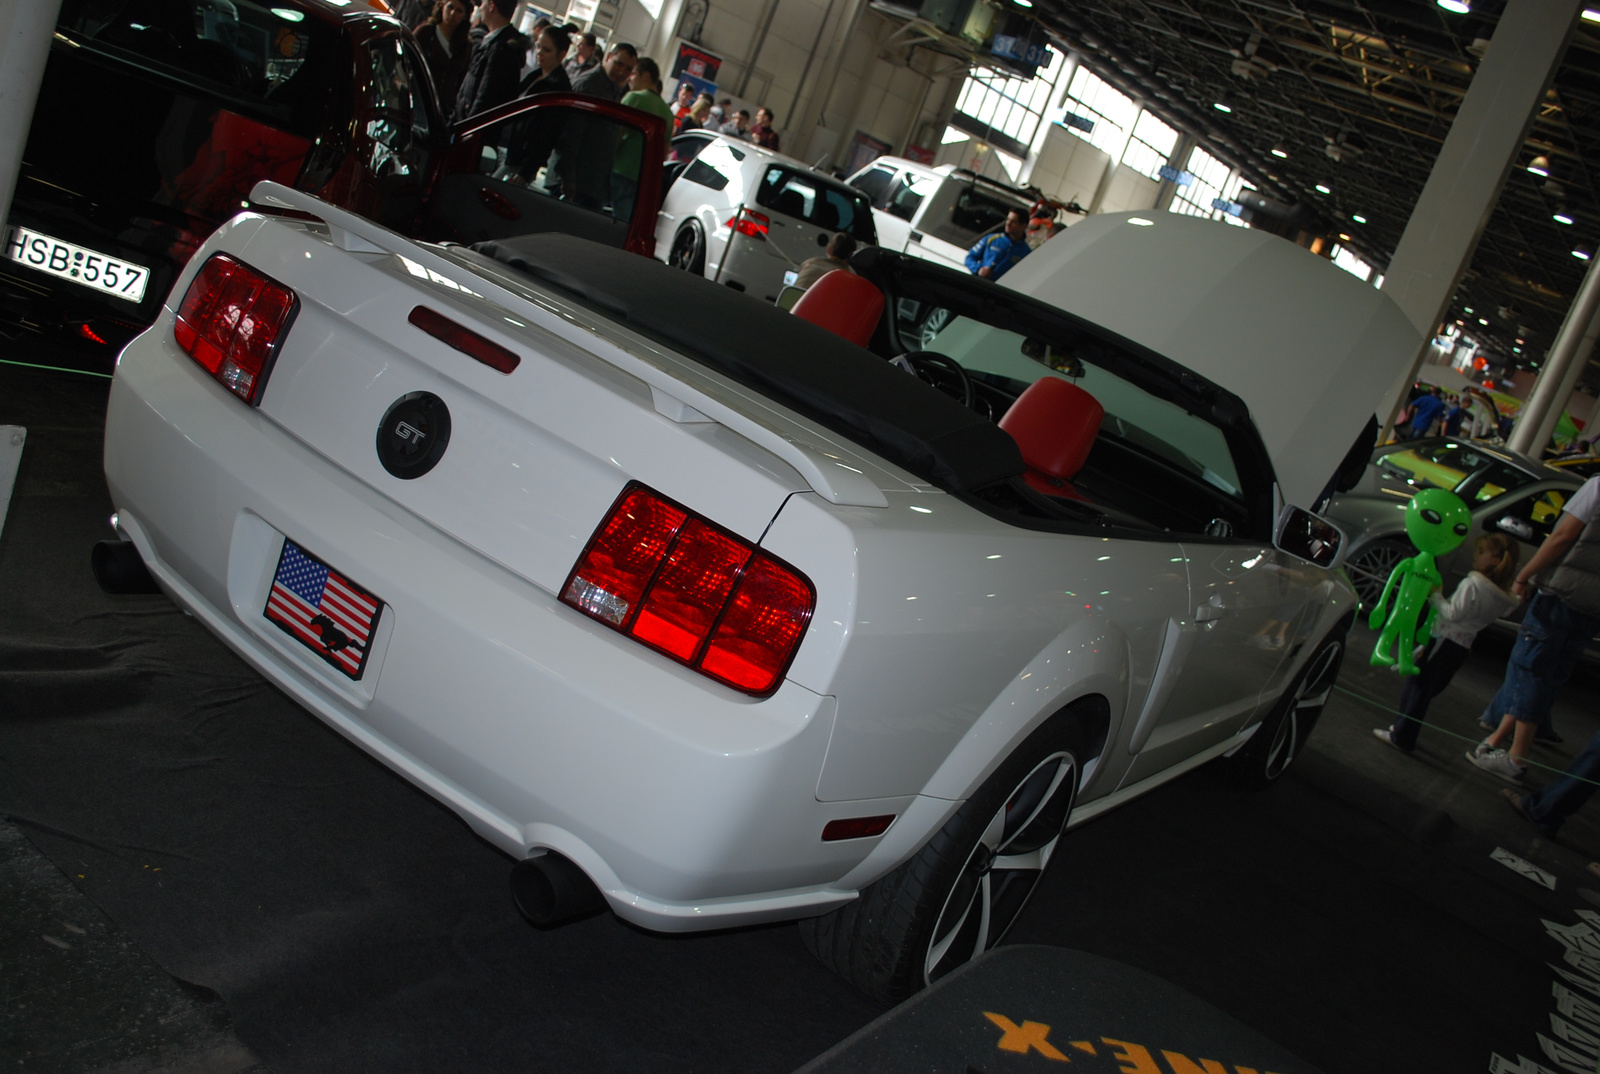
[691,806]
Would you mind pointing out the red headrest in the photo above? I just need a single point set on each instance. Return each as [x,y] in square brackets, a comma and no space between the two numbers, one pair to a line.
[1054,422]
[844,304]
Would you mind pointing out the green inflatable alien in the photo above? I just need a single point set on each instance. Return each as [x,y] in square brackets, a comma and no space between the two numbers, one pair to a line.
[1437,522]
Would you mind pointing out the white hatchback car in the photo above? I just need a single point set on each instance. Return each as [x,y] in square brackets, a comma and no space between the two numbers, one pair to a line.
[746,216]
[701,612]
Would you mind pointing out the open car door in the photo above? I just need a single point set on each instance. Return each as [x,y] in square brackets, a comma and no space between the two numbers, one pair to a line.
[555,162]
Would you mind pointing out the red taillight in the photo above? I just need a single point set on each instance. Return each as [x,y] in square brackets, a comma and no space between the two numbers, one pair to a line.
[230,319]
[464,340]
[749,222]
[695,592]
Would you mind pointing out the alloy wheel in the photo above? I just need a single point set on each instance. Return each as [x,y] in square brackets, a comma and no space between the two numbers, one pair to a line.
[1369,571]
[1305,705]
[1004,867]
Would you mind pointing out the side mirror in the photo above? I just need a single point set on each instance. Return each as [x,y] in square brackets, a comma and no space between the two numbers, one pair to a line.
[1309,537]
[1514,526]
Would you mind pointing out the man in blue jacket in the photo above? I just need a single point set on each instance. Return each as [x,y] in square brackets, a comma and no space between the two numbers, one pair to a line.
[994,255]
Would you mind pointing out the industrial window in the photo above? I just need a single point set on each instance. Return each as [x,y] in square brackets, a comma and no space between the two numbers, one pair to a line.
[1150,145]
[1210,180]
[1007,105]
[1112,112]
[1347,260]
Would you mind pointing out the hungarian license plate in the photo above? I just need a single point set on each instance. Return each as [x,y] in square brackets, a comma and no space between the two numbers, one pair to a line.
[78,264]
[323,610]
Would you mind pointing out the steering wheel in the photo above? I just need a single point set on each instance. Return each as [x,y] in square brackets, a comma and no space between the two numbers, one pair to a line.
[942,372]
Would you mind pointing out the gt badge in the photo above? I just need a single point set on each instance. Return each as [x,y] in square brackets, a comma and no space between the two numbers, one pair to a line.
[413,435]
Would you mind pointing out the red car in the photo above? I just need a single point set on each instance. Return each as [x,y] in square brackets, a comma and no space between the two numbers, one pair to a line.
[156,117]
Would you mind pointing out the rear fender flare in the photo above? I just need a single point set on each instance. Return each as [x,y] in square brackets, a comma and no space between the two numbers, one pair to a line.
[1089,659]
[1084,669]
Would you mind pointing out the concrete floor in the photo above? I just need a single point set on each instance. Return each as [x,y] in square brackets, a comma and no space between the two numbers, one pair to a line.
[1351,913]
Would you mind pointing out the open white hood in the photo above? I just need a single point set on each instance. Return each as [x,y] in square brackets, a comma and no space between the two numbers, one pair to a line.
[1310,348]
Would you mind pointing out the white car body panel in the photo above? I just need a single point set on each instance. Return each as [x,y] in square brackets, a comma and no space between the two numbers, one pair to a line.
[1238,308]
[942,635]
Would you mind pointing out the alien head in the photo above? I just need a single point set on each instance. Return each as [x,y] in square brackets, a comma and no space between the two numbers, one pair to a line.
[1437,521]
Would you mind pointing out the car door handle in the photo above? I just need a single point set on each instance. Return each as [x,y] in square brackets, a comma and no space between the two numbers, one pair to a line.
[916,236]
[1211,609]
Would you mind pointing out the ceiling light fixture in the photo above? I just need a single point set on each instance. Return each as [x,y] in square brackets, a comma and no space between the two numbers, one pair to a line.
[1343,237]
[1591,15]
[1539,165]
[1459,7]
[1322,189]
[1516,350]
[1482,321]
[1562,216]
[1220,106]
[1358,218]
[1280,152]
[1023,3]
[1582,252]
[1467,309]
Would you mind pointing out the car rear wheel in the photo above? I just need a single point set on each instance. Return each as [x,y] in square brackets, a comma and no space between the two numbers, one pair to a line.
[1369,569]
[689,249]
[1282,735]
[958,896]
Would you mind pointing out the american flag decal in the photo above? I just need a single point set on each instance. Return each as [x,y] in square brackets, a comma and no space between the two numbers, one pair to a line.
[328,613]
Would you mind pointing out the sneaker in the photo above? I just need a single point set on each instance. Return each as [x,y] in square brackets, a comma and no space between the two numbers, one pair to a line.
[1498,763]
[1384,734]
[1479,750]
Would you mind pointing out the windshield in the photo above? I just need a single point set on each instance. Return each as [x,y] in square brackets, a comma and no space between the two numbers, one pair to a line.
[1471,473]
[1153,460]
[271,61]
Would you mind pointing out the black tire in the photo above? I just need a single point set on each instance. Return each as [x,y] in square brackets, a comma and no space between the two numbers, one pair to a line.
[1369,569]
[689,249]
[1282,735]
[917,923]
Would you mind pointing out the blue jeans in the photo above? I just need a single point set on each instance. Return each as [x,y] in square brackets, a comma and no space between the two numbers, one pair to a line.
[1551,805]
[1549,646]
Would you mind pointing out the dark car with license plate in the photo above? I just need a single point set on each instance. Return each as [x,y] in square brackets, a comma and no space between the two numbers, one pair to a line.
[155,118]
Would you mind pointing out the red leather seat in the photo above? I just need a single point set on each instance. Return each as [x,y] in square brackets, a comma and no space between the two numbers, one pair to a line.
[1054,422]
[844,304]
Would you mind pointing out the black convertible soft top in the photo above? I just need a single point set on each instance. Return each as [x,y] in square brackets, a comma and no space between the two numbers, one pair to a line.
[833,382]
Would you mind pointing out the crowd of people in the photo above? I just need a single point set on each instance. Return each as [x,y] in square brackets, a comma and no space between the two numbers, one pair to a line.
[479,60]
[693,110]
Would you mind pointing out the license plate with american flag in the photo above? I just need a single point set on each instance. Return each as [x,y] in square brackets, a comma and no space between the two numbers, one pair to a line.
[323,610]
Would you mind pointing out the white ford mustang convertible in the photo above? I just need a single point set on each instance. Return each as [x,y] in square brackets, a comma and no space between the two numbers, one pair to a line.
[702,611]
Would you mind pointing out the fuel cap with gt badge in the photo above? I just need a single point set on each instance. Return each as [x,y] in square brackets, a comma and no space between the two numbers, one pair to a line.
[413,435]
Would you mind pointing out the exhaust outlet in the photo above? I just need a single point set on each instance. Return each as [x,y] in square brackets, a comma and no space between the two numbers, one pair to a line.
[550,890]
[119,569]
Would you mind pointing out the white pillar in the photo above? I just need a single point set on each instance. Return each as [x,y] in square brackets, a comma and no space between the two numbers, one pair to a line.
[1568,355]
[1478,153]
[25,32]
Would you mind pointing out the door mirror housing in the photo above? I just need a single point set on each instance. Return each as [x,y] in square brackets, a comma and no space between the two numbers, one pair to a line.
[1309,537]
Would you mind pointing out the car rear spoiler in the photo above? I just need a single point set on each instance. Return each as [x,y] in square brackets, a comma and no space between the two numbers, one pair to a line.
[829,478]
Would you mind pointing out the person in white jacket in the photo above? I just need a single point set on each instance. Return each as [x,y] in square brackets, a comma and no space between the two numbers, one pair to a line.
[1479,600]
